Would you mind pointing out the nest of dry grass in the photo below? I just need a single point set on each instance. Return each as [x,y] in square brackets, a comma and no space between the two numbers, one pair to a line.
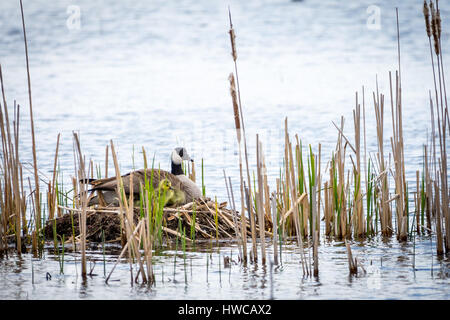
[211,222]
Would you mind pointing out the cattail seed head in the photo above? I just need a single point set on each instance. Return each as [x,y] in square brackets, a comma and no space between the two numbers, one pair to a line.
[426,14]
[235,106]
[232,37]
[233,44]
[434,28]
[438,23]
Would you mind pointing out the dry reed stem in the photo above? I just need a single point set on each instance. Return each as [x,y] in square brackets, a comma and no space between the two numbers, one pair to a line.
[284,217]
[290,181]
[125,247]
[83,201]
[259,199]
[233,206]
[238,135]
[106,161]
[275,228]
[36,176]
[360,224]
[52,196]
[248,197]
[385,214]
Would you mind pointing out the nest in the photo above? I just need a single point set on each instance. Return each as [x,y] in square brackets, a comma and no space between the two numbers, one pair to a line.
[103,224]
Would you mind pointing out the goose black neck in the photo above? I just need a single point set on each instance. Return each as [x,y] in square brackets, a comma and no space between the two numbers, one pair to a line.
[177,169]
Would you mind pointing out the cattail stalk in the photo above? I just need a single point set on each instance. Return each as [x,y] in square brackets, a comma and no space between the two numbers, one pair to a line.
[36,176]
[83,201]
[238,135]
[234,55]
[259,200]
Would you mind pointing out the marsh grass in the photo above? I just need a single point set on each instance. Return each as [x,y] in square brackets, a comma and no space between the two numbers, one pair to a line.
[357,202]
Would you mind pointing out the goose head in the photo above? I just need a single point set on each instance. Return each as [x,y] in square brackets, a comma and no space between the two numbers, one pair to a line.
[165,185]
[178,155]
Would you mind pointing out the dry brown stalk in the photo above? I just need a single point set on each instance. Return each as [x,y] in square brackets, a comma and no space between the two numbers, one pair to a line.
[81,174]
[176,233]
[248,197]
[106,161]
[398,154]
[51,195]
[238,231]
[275,228]
[327,209]
[36,176]
[259,199]
[125,247]
[290,181]
[319,183]
[238,135]
[426,14]
[298,201]
[358,213]
[385,213]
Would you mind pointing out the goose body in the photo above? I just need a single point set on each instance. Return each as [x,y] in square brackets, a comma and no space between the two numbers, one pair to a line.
[184,189]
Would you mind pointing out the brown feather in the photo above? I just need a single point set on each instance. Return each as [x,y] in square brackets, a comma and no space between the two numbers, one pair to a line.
[138,179]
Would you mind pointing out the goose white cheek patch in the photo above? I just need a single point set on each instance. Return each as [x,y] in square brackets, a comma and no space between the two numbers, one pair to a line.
[176,159]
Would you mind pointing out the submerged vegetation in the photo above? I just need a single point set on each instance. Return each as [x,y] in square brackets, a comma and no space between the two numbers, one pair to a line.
[352,195]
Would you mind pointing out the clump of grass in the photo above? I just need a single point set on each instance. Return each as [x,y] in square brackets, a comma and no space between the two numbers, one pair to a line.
[437,185]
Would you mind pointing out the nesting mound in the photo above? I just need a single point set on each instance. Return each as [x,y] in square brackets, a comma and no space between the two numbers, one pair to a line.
[211,221]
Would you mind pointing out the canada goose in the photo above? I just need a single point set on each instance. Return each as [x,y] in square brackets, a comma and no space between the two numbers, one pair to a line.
[106,188]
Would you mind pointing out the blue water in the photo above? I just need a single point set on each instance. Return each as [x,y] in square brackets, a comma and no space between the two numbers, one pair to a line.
[387,273]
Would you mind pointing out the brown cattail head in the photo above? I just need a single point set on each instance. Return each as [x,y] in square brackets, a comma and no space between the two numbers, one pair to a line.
[232,38]
[433,14]
[434,28]
[235,106]
[426,14]
[233,44]
[438,23]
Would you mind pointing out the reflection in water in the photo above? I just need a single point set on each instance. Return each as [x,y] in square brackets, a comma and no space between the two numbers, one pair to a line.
[385,272]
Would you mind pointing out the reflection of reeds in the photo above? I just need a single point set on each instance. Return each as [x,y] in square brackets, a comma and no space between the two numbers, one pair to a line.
[352,262]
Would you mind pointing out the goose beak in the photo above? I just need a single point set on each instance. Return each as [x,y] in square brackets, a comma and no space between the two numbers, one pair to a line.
[186,157]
